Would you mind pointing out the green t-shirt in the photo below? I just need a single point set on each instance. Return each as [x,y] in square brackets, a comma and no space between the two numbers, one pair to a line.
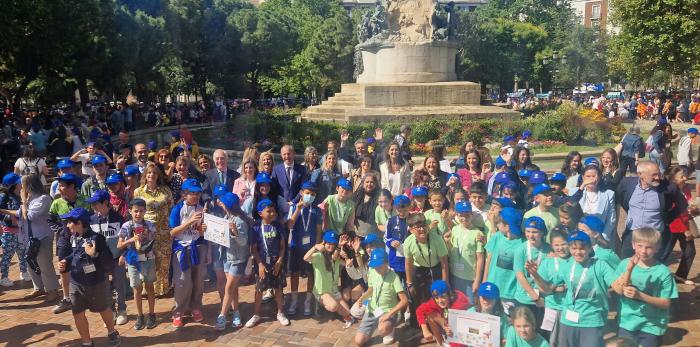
[431,215]
[490,230]
[381,217]
[549,270]
[425,254]
[505,322]
[338,213]
[60,206]
[519,260]
[551,218]
[607,256]
[514,340]
[502,260]
[385,290]
[655,281]
[325,282]
[591,303]
[465,245]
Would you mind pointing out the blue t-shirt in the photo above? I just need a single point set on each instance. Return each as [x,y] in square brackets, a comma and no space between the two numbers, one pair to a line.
[182,212]
[267,239]
[396,230]
[304,230]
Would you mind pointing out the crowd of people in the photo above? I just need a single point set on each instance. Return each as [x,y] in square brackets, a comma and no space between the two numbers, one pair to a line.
[381,240]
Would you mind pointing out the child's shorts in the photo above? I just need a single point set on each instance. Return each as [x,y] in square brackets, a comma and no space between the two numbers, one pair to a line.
[296,261]
[95,298]
[235,269]
[270,281]
[337,296]
[370,323]
[147,273]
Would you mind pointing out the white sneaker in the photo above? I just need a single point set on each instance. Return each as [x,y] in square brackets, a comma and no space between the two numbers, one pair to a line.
[253,321]
[282,318]
[122,318]
[348,323]
[389,339]
[25,276]
[6,282]
[307,308]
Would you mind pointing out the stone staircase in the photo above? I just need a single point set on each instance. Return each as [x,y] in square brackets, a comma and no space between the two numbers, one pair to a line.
[336,107]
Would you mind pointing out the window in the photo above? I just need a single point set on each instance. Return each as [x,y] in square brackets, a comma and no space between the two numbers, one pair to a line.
[595,12]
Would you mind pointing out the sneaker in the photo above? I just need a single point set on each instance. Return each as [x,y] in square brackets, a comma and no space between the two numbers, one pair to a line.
[307,308]
[25,276]
[348,323]
[389,339]
[253,321]
[114,339]
[51,296]
[122,318]
[236,320]
[140,324]
[220,322]
[34,294]
[292,309]
[177,321]
[282,319]
[151,321]
[267,296]
[6,282]
[62,306]
[197,316]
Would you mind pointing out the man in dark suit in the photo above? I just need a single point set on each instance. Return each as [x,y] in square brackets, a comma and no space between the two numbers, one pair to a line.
[287,177]
[220,174]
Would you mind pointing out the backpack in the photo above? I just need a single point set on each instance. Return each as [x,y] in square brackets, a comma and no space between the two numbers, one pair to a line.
[30,169]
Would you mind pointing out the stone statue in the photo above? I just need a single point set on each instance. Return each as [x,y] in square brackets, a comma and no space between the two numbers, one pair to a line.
[443,19]
[372,24]
[359,67]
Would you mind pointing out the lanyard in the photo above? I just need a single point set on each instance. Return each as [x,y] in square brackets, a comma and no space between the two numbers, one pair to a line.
[427,260]
[556,264]
[264,239]
[305,222]
[580,281]
[379,293]
[529,254]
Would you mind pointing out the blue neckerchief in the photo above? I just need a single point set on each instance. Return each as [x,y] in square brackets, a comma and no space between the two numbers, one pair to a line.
[131,256]
[194,253]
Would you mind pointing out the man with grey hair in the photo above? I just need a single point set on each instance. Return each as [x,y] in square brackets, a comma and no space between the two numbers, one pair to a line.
[287,177]
[219,175]
[650,201]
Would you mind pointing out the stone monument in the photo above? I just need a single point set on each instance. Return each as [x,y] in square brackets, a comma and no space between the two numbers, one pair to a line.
[405,69]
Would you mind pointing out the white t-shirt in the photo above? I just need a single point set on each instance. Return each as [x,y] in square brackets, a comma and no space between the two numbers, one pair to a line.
[37,165]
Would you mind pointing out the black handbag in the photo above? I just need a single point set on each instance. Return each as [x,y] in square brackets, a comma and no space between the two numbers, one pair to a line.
[33,250]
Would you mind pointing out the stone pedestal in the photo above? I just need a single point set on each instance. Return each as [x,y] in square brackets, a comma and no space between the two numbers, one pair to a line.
[408,62]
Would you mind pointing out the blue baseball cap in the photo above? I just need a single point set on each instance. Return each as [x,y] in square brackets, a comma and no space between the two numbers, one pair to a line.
[263,178]
[402,200]
[439,288]
[219,191]
[594,223]
[505,202]
[500,162]
[152,145]
[541,188]
[535,222]
[489,290]
[537,177]
[502,177]
[11,179]
[70,178]
[263,204]
[526,134]
[344,183]
[591,161]
[308,185]
[663,120]
[114,178]
[558,177]
[369,239]
[78,213]
[579,236]
[175,134]
[330,237]
[509,185]
[371,140]
[524,173]
[230,200]
[419,191]
[377,258]
[692,130]
[64,164]
[98,196]
[513,217]
[508,138]
[132,170]
[98,159]
[192,185]
[463,207]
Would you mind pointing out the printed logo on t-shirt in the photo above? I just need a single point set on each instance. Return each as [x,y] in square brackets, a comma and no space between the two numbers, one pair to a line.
[505,259]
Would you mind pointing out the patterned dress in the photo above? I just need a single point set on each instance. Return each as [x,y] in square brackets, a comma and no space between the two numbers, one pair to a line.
[158,205]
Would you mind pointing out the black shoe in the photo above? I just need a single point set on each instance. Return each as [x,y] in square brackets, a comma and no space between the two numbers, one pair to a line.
[151,321]
[139,323]
[114,339]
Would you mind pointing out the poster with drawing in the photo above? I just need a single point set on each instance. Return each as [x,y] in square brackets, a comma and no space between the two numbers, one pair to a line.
[474,329]
[217,230]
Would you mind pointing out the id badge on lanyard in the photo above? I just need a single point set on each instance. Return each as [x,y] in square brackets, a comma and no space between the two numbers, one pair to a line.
[570,314]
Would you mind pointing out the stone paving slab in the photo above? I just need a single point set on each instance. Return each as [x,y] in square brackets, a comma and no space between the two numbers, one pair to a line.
[31,323]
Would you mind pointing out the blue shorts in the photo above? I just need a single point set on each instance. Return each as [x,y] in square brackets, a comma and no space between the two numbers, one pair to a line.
[235,269]
[147,273]
[296,261]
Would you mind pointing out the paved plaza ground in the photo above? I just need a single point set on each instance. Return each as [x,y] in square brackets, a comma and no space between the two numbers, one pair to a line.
[32,323]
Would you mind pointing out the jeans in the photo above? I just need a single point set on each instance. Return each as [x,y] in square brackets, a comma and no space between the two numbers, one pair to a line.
[658,159]
[119,285]
[629,164]
[11,246]
[464,286]
[47,280]
[577,337]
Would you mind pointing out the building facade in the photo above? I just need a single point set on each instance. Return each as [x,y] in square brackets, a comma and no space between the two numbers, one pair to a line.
[593,13]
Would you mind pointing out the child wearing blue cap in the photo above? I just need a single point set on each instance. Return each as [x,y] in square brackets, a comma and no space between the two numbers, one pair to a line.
[189,253]
[396,233]
[64,166]
[438,217]
[339,209]
[544,201]
[263,191]
[523,332]
[499,267]
[533,250]
[489,301]
[136,239]
[304,221]
[431,313]
[10,200]
[86,155]
[384,299]
[268,247]
[325,259]
[466,246]
[98,177]
[419,199]
[594,227]
[89,263]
